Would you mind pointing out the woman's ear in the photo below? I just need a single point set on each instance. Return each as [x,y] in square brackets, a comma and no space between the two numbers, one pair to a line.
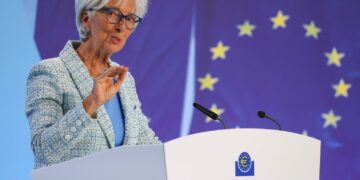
[85,20]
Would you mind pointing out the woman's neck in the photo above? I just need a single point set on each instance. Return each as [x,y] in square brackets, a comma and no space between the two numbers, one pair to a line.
[94,59]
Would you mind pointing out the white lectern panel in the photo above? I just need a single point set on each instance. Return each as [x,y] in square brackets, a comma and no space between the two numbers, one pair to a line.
[277,155]
[125,162]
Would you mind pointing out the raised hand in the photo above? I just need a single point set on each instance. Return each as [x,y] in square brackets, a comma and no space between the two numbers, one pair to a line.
[104,88]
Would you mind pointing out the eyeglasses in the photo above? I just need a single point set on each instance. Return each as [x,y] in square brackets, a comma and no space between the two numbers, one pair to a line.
[114,16]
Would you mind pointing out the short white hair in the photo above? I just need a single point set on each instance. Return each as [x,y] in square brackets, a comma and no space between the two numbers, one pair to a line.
[81,5]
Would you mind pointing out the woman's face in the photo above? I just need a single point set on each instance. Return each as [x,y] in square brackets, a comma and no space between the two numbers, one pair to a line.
[110,37]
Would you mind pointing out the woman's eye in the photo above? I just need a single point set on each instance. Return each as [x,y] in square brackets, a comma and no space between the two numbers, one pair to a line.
[111,12]
[130,18]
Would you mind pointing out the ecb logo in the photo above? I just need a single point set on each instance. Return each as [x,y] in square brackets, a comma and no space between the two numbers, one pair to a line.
[244,166]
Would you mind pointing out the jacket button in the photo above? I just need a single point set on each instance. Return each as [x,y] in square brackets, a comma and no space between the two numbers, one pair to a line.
[78,123]
[67,137]
[73,129]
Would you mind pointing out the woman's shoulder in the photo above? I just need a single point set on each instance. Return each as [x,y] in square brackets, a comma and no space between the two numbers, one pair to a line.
[52,68]
[49,65]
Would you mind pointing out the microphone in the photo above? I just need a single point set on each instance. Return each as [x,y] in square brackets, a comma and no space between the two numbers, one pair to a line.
[209,113]
[262,114]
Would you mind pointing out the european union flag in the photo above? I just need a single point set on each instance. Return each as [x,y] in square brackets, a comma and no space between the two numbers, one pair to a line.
[297,60]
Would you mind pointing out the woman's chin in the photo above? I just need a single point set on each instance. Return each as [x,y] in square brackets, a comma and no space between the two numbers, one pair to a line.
[114,48]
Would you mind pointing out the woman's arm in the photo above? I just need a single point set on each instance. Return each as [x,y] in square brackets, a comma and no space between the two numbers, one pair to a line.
[53,133]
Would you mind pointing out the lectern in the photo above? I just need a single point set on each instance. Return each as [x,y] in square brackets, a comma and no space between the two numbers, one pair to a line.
[215,155]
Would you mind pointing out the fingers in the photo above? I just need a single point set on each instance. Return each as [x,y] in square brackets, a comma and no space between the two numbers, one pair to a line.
[117,73]
[113,71]
[120,79]
[116,70]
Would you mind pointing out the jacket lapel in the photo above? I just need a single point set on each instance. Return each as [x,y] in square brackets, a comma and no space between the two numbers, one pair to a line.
[128,106]
[84,84]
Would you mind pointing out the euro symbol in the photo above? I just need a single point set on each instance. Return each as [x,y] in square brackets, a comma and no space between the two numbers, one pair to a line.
[243,161]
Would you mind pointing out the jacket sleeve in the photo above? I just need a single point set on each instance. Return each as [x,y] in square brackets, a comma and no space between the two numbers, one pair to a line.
[146,134]
[53,133]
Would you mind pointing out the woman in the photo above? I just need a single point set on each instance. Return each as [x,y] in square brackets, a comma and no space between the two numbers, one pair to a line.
[81,102]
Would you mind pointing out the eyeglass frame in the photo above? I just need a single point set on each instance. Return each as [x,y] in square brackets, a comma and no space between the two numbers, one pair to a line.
[120,16]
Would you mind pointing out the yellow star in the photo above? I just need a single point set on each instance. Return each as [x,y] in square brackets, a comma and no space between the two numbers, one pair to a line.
[208,82]
[216,110]
[334,57]
[312,30]
[279,20]
[330,119]
[246,29]
[305,133]
[219,51]
[341,88]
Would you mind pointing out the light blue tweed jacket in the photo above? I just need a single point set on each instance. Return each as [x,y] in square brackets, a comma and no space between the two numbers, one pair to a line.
[60,128]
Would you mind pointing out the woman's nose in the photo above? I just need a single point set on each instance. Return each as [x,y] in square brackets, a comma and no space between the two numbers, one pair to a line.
[120,26]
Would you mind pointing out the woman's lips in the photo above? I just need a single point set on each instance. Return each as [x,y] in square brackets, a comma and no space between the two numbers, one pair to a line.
[115,40]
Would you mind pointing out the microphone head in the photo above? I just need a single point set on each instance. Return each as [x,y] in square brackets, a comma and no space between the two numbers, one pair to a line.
[207,112]
[261,114]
